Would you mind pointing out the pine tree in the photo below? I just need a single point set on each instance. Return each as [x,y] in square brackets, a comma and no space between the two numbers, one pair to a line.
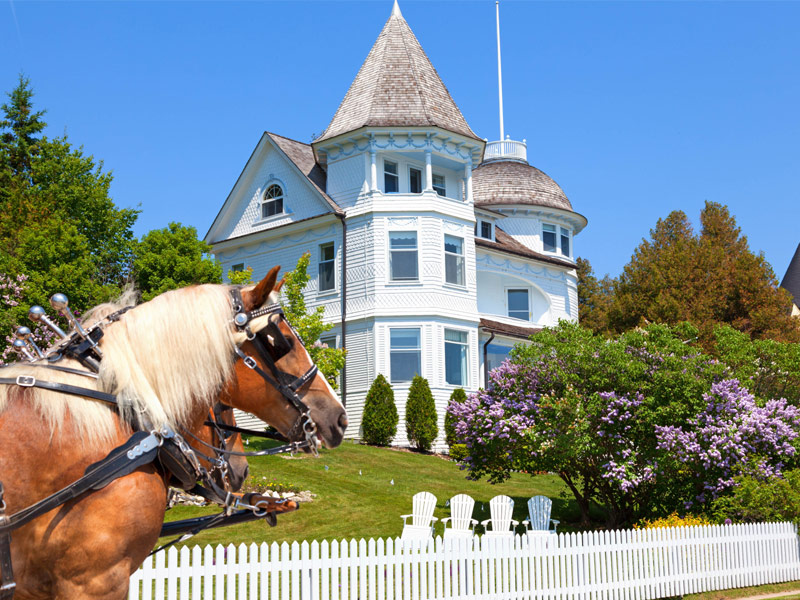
[421,427]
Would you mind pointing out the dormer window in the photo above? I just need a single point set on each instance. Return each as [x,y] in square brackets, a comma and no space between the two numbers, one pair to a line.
[390,178]
[483,229]
[556,239]
[273,201]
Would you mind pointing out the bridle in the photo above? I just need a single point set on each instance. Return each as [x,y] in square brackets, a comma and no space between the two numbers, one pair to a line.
[272,345]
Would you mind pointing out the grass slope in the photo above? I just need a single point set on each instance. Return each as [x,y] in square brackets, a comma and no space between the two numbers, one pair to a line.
[349,505]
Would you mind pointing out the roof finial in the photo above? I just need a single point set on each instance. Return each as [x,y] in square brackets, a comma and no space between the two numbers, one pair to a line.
[396,10]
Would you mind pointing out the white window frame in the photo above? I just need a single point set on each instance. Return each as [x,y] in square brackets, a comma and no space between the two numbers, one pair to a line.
[417,351]
[458,257]
[558,232]
[332,262]
[237,268]
[395,175]
[479,229]
[272,200]
[441,190]
[465,365]
[421,179]
[508,303]
[391,252]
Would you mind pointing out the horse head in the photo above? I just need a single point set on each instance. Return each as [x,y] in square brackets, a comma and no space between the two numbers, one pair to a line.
[277,380]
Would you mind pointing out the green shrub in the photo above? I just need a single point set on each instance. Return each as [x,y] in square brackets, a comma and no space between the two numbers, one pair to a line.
[755,500]
[458,452]
[457,397]
[421,425]
[379,422]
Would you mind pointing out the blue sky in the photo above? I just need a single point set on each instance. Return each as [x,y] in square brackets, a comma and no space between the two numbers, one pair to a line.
[634,108]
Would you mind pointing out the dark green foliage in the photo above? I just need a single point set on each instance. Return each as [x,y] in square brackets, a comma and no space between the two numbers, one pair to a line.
[458,396]
[59,229]
[757,501]
[769,369]
[171,258]
[421,427]
[379,421]
[458,452]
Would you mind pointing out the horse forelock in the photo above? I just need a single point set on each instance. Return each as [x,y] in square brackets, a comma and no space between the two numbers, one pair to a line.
[169,354]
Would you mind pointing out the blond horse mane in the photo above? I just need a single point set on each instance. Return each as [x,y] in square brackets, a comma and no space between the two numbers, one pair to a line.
[160,359]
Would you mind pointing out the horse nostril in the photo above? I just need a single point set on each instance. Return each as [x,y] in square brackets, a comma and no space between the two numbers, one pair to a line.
[343,422]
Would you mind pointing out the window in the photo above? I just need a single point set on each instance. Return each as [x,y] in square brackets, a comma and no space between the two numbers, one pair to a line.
[403,255]
[453,260]
[518,305]
[549,237]
[273,202]
[455,357]
[438,185]
[390,179]
[327,276]
[414,181]
[486,230]
[495,355]
[564,241]
[405,354]
[237,267]
[328,341]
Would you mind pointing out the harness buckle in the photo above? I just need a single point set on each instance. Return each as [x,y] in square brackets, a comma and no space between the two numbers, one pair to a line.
[26,380]
[250,362]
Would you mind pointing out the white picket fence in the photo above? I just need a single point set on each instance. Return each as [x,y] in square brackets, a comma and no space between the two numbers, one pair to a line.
[608,565]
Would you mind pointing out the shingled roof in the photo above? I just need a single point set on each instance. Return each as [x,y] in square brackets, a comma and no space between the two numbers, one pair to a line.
[791,281]
[500,182]
[397,86]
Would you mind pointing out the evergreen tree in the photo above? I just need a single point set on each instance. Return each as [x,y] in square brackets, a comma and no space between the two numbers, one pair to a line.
[59,229]
[171,258]
[421,426]
[379,420]
[594,297]
[707,279]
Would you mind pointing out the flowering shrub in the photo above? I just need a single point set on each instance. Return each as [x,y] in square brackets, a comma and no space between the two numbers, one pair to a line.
[673,520]
[731,436]
[11,293]
[598,412]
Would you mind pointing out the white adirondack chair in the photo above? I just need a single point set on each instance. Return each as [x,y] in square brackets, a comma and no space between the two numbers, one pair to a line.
[421,526]
[462,525]
[501,508]
[538,521]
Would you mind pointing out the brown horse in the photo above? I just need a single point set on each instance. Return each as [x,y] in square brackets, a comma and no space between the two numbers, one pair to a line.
[167,361]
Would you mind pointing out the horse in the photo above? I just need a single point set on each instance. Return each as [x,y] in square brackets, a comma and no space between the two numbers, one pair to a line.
[167,361]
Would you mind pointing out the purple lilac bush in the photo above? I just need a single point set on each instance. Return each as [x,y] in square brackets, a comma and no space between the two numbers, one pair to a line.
[732,436]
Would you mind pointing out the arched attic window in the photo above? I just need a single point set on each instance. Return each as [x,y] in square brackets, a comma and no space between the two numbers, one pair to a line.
[273,201]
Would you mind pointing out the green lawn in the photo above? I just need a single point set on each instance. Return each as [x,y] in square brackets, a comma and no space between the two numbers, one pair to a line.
[353,505]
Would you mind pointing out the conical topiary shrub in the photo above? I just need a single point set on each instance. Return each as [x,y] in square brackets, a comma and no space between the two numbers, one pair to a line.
[421,425]
[379,421]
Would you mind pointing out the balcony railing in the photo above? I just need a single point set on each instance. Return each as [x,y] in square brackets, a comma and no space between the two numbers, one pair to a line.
[506,149]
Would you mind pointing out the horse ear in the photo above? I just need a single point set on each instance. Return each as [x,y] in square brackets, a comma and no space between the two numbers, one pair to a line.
[257,296]
[279,285]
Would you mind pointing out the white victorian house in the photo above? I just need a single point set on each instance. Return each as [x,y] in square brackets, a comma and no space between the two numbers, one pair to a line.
[432,251]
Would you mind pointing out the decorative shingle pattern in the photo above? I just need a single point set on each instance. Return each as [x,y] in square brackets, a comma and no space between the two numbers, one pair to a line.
[302,155]
[791,281]
[511,182]
[506,329]
[397,86]
[505,243]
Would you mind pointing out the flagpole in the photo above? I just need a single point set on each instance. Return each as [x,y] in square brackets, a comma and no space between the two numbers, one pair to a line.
[499,70]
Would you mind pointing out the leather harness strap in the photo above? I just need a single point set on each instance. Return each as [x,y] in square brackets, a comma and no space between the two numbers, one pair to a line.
[64,388]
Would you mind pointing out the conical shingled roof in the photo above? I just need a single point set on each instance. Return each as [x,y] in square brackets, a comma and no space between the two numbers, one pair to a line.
[397,86]
[791,281]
